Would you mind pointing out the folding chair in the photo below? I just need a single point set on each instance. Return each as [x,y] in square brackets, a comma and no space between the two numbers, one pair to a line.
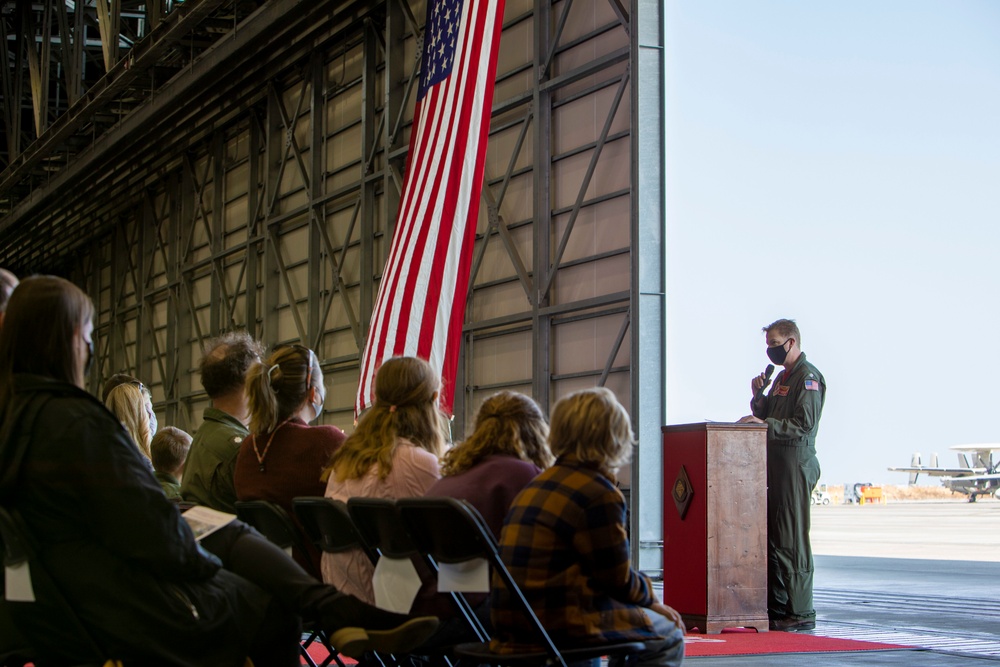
[328,524]
[274,523]
[383,528]
[452,531]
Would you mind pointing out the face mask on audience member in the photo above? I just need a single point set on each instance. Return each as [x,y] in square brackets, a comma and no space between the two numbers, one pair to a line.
[153,424]
[318,407]
[90,358]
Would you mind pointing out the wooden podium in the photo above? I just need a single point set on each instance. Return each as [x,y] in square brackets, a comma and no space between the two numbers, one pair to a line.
[715,524]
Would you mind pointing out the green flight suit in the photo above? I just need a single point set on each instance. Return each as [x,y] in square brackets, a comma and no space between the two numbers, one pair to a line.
[211,462]
[792,410]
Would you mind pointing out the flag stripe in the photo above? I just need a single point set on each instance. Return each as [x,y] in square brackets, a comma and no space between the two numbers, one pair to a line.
[420,305]
[458,154]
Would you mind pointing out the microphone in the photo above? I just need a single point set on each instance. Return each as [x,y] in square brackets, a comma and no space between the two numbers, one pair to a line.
[767,380]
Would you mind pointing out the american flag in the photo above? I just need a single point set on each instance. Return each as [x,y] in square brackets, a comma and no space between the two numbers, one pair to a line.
[420,306]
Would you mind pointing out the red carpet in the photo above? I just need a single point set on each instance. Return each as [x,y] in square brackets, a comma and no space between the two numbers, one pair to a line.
[752,643]
[737,642]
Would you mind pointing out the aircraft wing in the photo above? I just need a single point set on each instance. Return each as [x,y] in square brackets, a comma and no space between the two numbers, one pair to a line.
[986,447]
[966,479]
[940,472]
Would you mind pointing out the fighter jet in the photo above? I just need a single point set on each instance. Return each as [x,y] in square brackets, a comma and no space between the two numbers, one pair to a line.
[976,477]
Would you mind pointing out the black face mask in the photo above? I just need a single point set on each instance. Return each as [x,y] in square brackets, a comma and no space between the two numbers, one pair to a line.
[777,354]
[90,358]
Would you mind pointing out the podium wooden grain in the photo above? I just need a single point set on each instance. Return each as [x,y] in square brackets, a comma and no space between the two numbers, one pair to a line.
[715,556]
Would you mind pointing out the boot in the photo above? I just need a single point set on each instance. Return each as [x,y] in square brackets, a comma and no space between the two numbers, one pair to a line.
[354,627]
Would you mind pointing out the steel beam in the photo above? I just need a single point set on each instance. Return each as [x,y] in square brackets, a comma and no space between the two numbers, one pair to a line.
[648,300]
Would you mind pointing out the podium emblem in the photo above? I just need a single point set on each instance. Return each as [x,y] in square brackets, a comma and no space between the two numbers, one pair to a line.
[682,492]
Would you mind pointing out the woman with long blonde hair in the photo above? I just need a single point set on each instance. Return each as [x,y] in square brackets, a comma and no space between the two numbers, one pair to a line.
[393,453]
[130,404]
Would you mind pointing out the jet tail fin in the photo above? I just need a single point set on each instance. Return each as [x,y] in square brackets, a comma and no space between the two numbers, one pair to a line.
[914,462]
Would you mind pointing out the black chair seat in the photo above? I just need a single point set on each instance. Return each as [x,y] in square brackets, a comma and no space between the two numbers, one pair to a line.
[482,653]
[452,531]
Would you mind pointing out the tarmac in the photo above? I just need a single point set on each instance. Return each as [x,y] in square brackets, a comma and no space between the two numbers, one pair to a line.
[920,574]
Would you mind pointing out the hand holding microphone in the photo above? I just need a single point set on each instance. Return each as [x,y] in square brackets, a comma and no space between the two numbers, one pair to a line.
[759,383]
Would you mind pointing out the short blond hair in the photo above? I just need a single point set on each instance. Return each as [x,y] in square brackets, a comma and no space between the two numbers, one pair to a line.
[591,426]
[169,449]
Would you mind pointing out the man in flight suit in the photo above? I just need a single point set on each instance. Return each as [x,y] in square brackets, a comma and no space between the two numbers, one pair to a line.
[791,411]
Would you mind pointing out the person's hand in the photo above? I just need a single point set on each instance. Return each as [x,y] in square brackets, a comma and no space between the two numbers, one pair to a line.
[669,612]
[756,384]
[749,419]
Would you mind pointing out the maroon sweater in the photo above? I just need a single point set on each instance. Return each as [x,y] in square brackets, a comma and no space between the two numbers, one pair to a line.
[490,487]
[292,466]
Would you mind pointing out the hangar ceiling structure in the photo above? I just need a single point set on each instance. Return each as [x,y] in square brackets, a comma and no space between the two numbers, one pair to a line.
[209,165]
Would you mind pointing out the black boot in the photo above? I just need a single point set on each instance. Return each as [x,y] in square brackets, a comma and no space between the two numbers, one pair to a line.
[354,626]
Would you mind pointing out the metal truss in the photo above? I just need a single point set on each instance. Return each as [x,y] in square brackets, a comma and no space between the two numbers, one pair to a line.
[258,187]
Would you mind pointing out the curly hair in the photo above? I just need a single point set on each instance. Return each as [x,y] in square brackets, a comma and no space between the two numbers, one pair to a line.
[509,424]
[406,391]
[591,426]
[226,361]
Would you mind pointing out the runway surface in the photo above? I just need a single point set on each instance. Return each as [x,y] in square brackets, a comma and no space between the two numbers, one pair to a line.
[925,575]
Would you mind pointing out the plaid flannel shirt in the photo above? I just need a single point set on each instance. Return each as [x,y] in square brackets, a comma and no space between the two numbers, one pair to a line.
[565,545]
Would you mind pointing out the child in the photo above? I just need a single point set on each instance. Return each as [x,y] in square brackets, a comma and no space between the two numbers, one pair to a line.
[169,450]
[564,542]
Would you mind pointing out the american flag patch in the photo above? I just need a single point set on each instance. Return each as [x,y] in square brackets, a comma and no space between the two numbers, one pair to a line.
[812,385]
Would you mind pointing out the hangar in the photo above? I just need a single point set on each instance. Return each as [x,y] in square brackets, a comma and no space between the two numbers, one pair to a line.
[209,165]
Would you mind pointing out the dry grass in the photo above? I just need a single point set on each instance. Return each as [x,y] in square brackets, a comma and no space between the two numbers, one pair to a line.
[893,493]
[903,493]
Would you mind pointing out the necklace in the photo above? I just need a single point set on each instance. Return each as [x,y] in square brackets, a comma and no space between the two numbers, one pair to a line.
[267,446]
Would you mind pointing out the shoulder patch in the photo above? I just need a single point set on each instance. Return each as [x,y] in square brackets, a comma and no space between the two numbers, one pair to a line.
[237,439]
[812,385]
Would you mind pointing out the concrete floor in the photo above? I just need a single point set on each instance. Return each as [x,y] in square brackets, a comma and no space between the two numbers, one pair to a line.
[902,574]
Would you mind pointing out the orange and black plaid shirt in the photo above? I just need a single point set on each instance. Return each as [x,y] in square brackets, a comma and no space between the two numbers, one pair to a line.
[565,544]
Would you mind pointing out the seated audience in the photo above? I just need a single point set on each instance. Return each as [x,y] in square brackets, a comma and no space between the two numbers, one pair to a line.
[168,451]
[119,553]
[283,457]
[211,464]
[506,450]
[131,405]
[565,545]
[393,453]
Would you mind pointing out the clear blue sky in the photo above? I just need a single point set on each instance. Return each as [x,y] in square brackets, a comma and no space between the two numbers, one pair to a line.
[838,163]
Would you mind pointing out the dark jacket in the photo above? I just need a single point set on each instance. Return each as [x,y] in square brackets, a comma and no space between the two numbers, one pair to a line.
[119,551]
